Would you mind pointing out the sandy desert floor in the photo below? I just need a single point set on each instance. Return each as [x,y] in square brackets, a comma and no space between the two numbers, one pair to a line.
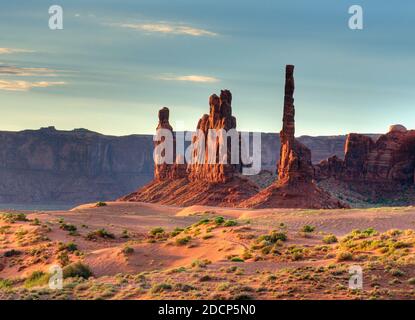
[146,251]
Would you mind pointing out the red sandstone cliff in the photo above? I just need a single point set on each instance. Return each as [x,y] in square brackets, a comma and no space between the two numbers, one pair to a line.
[388,161]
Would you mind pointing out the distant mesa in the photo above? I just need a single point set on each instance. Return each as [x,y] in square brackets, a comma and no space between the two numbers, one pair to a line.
[398,128]
[382,167]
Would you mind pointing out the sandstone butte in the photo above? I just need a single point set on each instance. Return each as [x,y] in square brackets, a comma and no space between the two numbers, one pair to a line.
[222,184]
[380,168]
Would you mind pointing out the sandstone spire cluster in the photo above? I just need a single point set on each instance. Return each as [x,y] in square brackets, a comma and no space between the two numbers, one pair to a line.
[199,182]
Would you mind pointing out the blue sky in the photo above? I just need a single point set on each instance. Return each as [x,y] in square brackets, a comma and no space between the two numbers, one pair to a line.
[118,61]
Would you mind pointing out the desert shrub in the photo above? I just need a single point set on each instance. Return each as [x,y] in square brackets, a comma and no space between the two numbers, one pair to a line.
[101,204]
[202,221]
[176,231]
[4,229]
[396,272]
[296,252]
[36,222]
[201,263]
[330,238]
[64,258]
[68,227]
[183,241]
[156,231]
[307,228]
[243,296]
[71,247]
[246,255]
[100,233]
[205,278]
[160,287]
[207,236]
[127,250]
[237,259]
[13,217]
[230,223]
[125,234]
[77,270]
[12,253]
[273,237]
[344,256]
[219,220]
[183,287]
[5,283]
[360,234]
[37,279]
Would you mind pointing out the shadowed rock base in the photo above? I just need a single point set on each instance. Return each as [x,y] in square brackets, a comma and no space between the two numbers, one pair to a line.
[183,192]
[303,195]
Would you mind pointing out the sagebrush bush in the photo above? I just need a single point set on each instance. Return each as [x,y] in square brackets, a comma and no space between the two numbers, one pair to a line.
[230,223]
[101,204]
[156,231]
[101,233]
[77,269]
[331,238]
[344,256]
[37,279]
[307,228]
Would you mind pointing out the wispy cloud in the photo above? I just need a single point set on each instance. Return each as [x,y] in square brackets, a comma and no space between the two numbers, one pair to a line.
[26,72]
[168,28]
[190,78]
[14,50]
[26,85]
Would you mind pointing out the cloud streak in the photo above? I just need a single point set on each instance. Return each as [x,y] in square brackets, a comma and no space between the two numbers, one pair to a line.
[26,72]
[168,28]
[26,85]
[13,50]
[190,78]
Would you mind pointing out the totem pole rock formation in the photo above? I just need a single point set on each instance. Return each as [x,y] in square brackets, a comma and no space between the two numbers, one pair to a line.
[295,187]
[295,158]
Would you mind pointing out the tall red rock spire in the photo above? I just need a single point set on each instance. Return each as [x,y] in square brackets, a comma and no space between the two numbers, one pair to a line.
[295,158]
[295,187]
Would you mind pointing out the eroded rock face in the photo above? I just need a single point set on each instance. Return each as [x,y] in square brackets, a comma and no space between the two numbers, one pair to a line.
[357,149]
[391,159]
[219,118]
[50,166]
[295,158]
[163,171]
[167,171]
